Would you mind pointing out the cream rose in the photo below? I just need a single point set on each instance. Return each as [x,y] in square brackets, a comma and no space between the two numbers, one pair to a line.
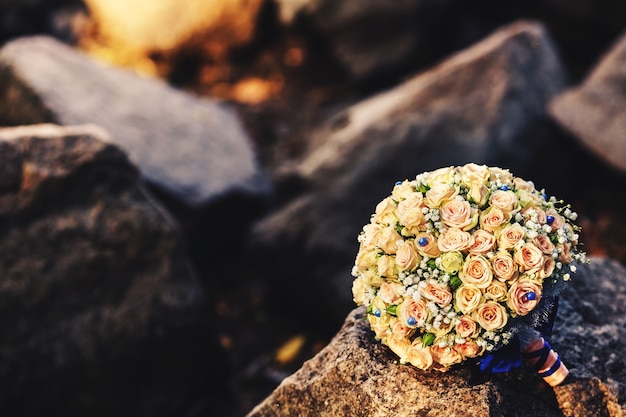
[503,266]
[504,200]
[454,240]
[565,252]
[523,185]
[426,245]
[459,214]
[524,295]
[528,257]
[469,349]
[371,234]
[451,262]
[389,292]
[529,198]
[400,329]
[474,173]
[438,293]
[445,356]
[504,175]
[482,242]
[386,212]
[387,267]
[366,258]
[399,346]
[361,292]
[509,236]
[478,194]
[467,298]
[403,190]
[412,312]
[439,194]
[544,244]
[407,257]
[548,267]
[388,240]
[496,291]
[380,326]
[491,316]
[467,327]
[557,220]
[410,212]
[476,271]
[492,218]
[535,214]
[418,355]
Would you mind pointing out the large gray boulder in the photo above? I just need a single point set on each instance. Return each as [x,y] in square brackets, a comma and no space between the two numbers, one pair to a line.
[356,376]
[595,112]
[484,105]
[100,313]
[194,150]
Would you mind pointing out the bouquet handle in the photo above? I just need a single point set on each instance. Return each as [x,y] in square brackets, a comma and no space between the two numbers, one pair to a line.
[543,359]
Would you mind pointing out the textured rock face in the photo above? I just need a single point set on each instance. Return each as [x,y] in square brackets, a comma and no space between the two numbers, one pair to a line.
[100,314]
[595,112]
[484,105]
[356,376]
[193,149]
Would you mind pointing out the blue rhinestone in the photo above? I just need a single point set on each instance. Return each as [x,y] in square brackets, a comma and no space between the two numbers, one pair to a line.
[530,296]
[504,188]
[422,241]
[549,219]
[398,182]
[545,196]
[411,321]
[377,313]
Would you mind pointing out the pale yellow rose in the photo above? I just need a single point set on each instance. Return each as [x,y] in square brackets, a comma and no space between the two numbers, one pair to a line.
[389,292]
[510,235]
[467,327]
[476,271]
[371,234]
[548,267]
[504,200]
[386,212]
[451,262]
[407,257]
[439,194]
[482,242]
[380,326]
[503,266]
[524,295]
[444,356]
[419,355]
[426,245]
[496,291]
[473,173]
[441,175]
[371,278]
[388,240]
[544,244]
[399,346]
[402,191]
[504,175]
[459,214]
[478,193]
[454,240]
[529,198]
[362,292]
[366,259]
[413,313]
[469,349]
[491,316]
[438,293]
[467,298]
[493,218]
[387,267]
[528,257]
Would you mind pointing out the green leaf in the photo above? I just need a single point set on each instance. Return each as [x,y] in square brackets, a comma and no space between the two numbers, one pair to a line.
[455,282]
[428,339]
[432,264]
[423,188]
[392,310]
[370,309]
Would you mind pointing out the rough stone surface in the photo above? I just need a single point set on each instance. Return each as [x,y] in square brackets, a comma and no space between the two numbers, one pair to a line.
[356,376]
[193,149]
[484,105]
[370,37]
[595,112]
[100,314]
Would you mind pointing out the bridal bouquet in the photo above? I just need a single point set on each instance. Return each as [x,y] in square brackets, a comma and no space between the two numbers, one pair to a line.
[456,262]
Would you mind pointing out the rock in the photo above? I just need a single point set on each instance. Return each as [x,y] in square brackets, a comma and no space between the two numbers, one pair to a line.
[100,312]
[356,376]
[369,38]
[484,105]
[595,112]
[194,150]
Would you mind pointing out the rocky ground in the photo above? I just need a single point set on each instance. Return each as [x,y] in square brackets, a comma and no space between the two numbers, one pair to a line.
[191,247]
